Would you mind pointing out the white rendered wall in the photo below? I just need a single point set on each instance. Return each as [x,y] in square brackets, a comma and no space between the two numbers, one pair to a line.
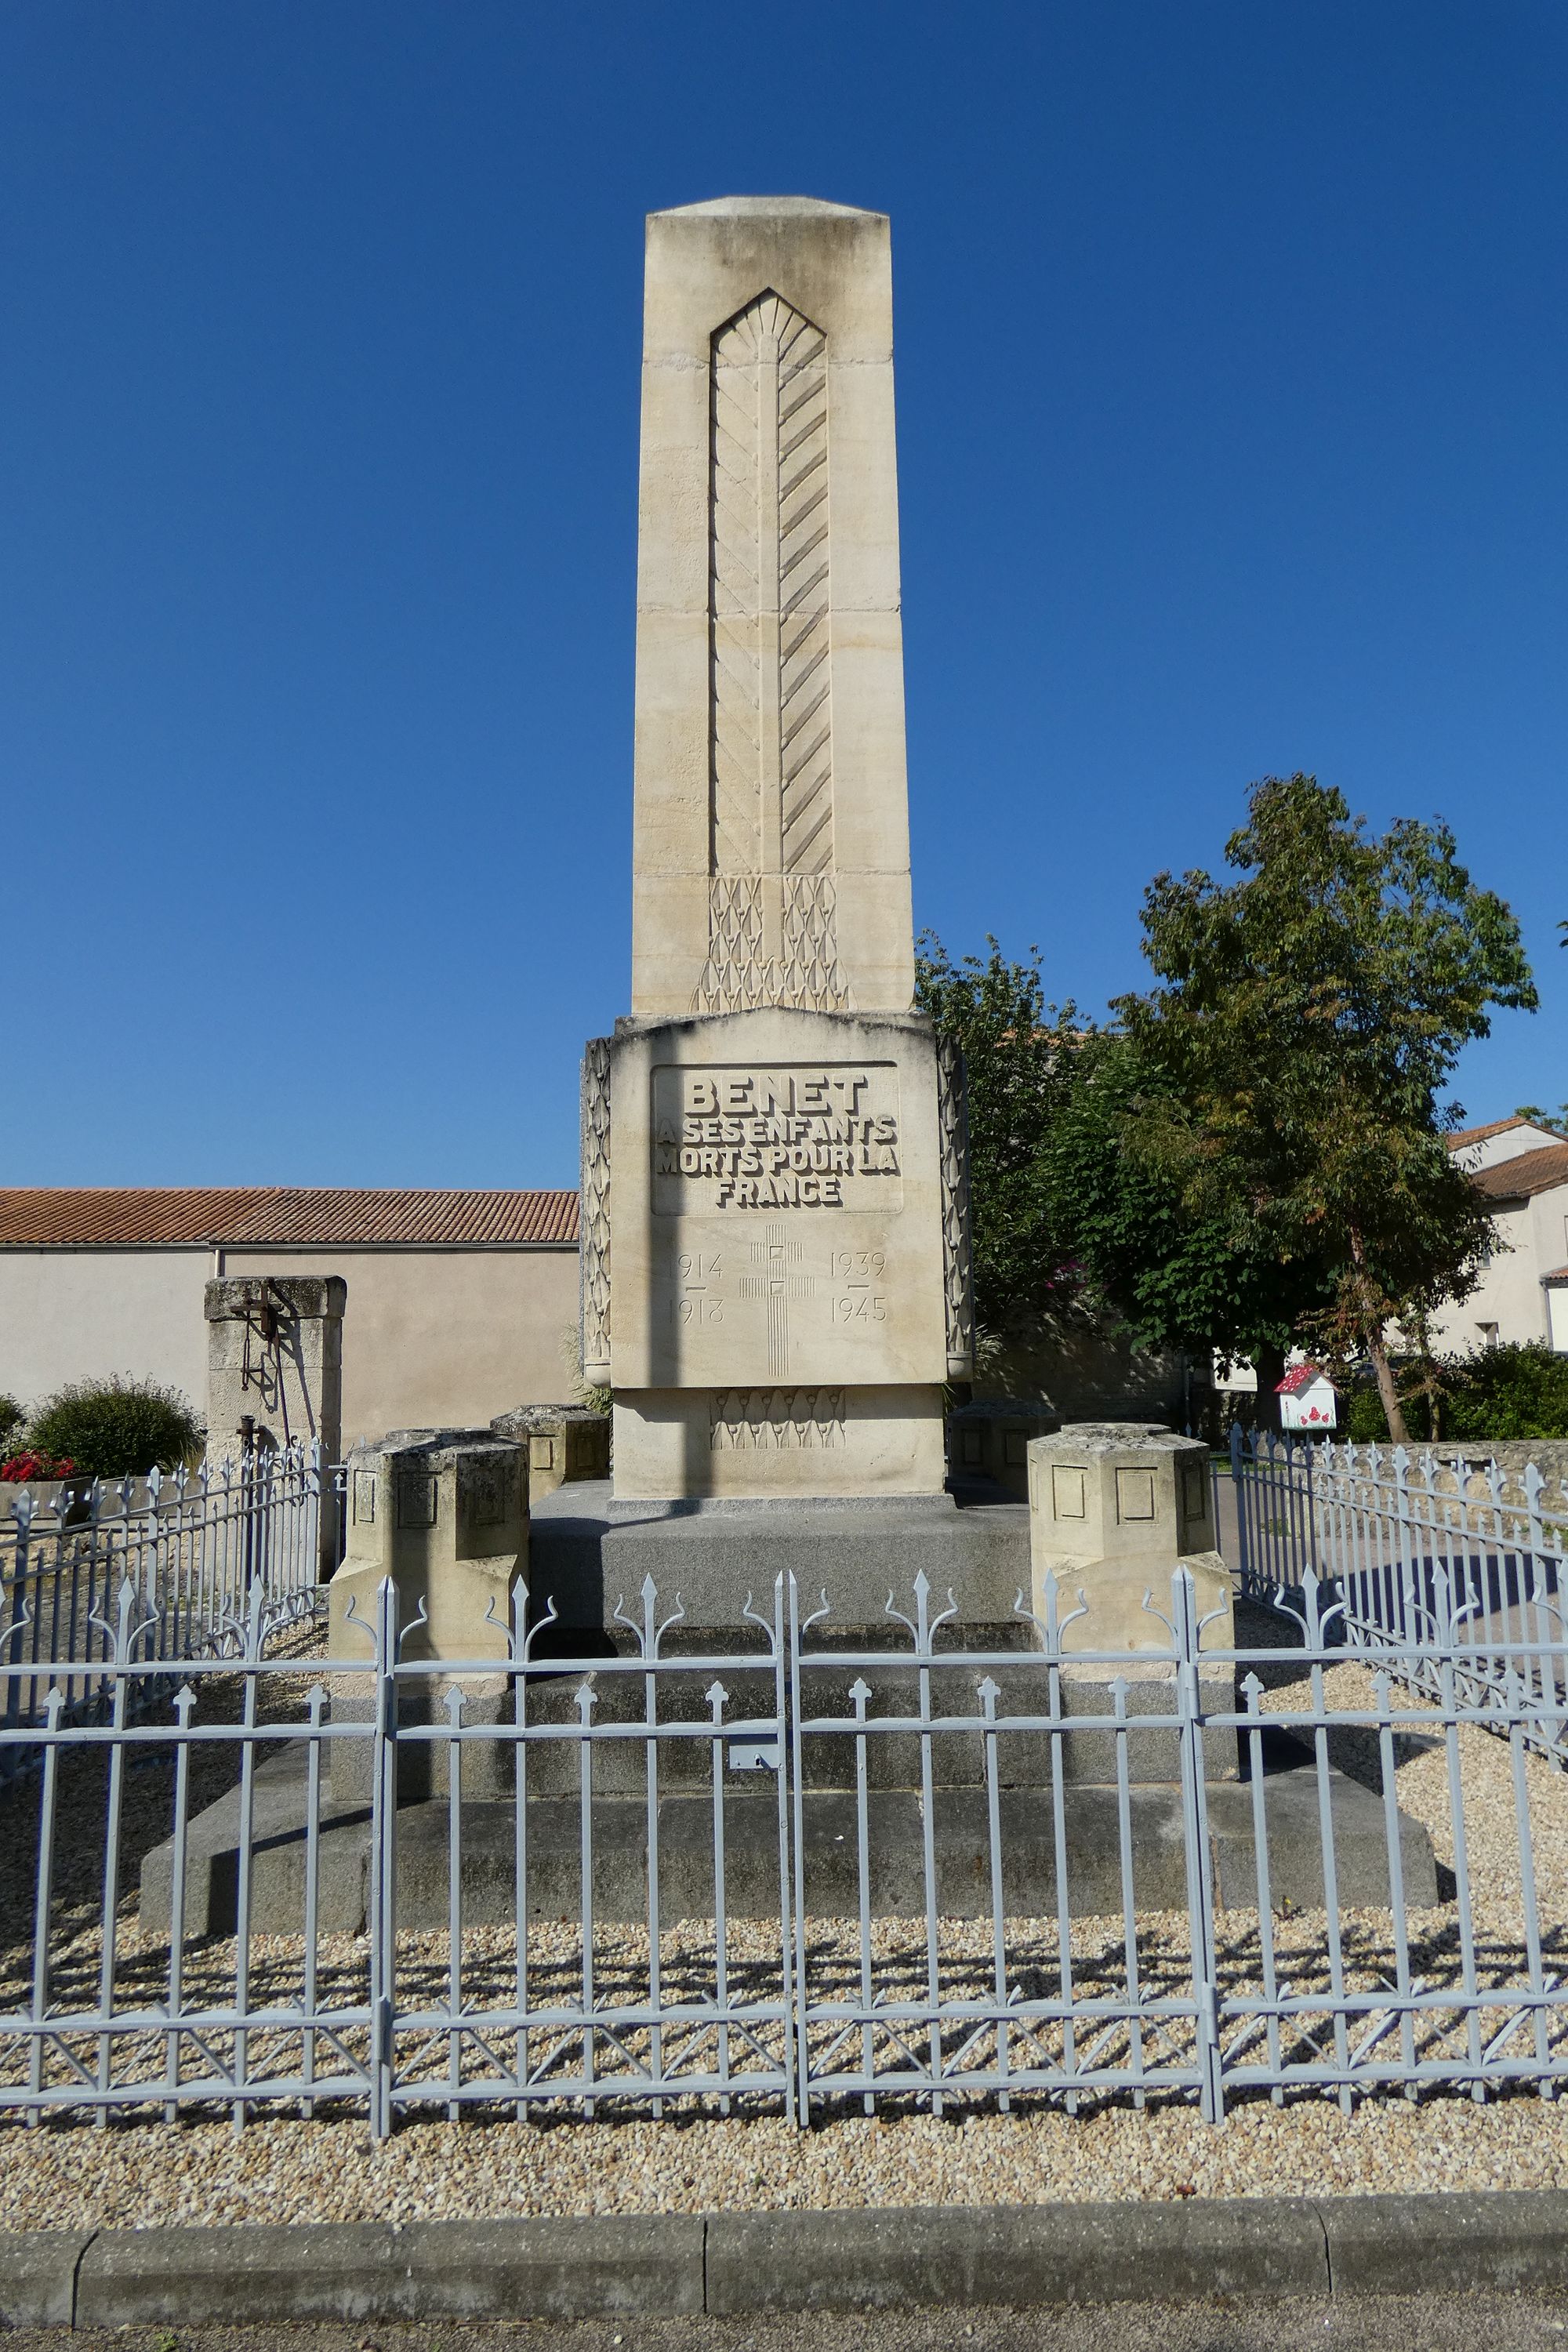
[72,1315]
[440,1338]
[1512,1144]
[430,1337]
[1532,1242]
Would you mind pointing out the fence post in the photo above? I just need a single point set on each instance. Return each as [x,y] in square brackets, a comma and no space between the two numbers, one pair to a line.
[383,1900]
[1199,1862]
[796,1770]
[1237,1457]
[16,1625]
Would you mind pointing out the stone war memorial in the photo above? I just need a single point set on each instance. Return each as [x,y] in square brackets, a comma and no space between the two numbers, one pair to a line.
[776,1251]
[776,1287]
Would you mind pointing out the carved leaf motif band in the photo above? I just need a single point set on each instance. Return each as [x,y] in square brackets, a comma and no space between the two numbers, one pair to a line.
[775,1421]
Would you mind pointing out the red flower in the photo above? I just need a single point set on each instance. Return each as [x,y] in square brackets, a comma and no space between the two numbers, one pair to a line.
[25,1469]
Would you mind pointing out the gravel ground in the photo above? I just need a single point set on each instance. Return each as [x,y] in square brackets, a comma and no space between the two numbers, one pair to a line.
[143,2173]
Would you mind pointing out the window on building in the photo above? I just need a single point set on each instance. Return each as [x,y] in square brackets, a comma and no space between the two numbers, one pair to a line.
[1488,1334]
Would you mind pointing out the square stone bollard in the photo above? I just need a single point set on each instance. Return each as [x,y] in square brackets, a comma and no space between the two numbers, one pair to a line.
[443,1512]
[565,1441]
[1115,1508]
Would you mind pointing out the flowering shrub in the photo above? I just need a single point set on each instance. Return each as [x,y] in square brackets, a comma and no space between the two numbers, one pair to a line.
[117,1428]
[27,1468]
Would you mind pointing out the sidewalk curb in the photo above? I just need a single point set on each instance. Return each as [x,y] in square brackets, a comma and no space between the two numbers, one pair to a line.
[1014,2255]
[648,2264]
[555,2268]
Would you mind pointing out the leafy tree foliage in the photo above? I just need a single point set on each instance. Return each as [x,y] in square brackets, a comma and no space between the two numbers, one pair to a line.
[1310,1014]
[1019,1075]
[1556,1120]
[1517,1391]
[1177,1275]
[1073,1223]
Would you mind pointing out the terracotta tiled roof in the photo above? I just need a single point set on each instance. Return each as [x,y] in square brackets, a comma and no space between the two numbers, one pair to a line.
[263,1215]
[1532,1171]
[1558,1273]
[1468,1135]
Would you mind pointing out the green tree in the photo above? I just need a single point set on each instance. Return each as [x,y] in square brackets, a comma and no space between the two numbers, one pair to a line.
[1557,1120]
[1073,1223]
[1309,1017]
[1019,1074]
[1175,1274]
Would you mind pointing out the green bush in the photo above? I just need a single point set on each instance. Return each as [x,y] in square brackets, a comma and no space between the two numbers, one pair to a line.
[117,1428]
[1515,1391]
[13,1424]
[1520,1391]
[1362,1419]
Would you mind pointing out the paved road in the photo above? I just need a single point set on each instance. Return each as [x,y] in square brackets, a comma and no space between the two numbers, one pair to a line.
[1399,2323]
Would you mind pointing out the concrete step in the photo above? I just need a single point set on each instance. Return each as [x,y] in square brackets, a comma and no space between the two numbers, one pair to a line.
[896,1847]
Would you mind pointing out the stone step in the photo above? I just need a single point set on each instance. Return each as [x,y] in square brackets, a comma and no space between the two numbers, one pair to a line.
[685,1829]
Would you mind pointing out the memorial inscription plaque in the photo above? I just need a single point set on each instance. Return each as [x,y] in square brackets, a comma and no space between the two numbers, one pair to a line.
[790,1221]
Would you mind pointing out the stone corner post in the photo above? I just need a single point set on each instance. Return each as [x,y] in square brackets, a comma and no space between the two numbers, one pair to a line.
[443,1513]
[1115,1508]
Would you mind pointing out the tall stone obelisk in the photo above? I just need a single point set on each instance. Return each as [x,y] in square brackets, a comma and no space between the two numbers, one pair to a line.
[776,1256]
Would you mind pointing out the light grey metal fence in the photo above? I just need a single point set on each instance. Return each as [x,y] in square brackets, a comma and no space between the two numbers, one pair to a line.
[1425,1554]
[193,1545]
[795,1875]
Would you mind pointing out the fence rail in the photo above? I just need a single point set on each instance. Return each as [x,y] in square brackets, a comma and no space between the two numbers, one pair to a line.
[1425,1554]
[795,1874]
[193,1546]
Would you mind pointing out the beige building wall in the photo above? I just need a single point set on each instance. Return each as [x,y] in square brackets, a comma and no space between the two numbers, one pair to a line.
[441,1339]
[431,1336]
[78,1314]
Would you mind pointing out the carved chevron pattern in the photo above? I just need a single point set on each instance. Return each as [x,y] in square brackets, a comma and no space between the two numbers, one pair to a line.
[957,1252]
[594,1265]
[772,737]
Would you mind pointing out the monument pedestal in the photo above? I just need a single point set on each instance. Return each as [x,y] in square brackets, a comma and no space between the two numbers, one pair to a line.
[894,1848]
[591,1548]
[780,1229]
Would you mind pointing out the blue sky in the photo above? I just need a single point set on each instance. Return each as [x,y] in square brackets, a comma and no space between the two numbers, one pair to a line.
[1231,345]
